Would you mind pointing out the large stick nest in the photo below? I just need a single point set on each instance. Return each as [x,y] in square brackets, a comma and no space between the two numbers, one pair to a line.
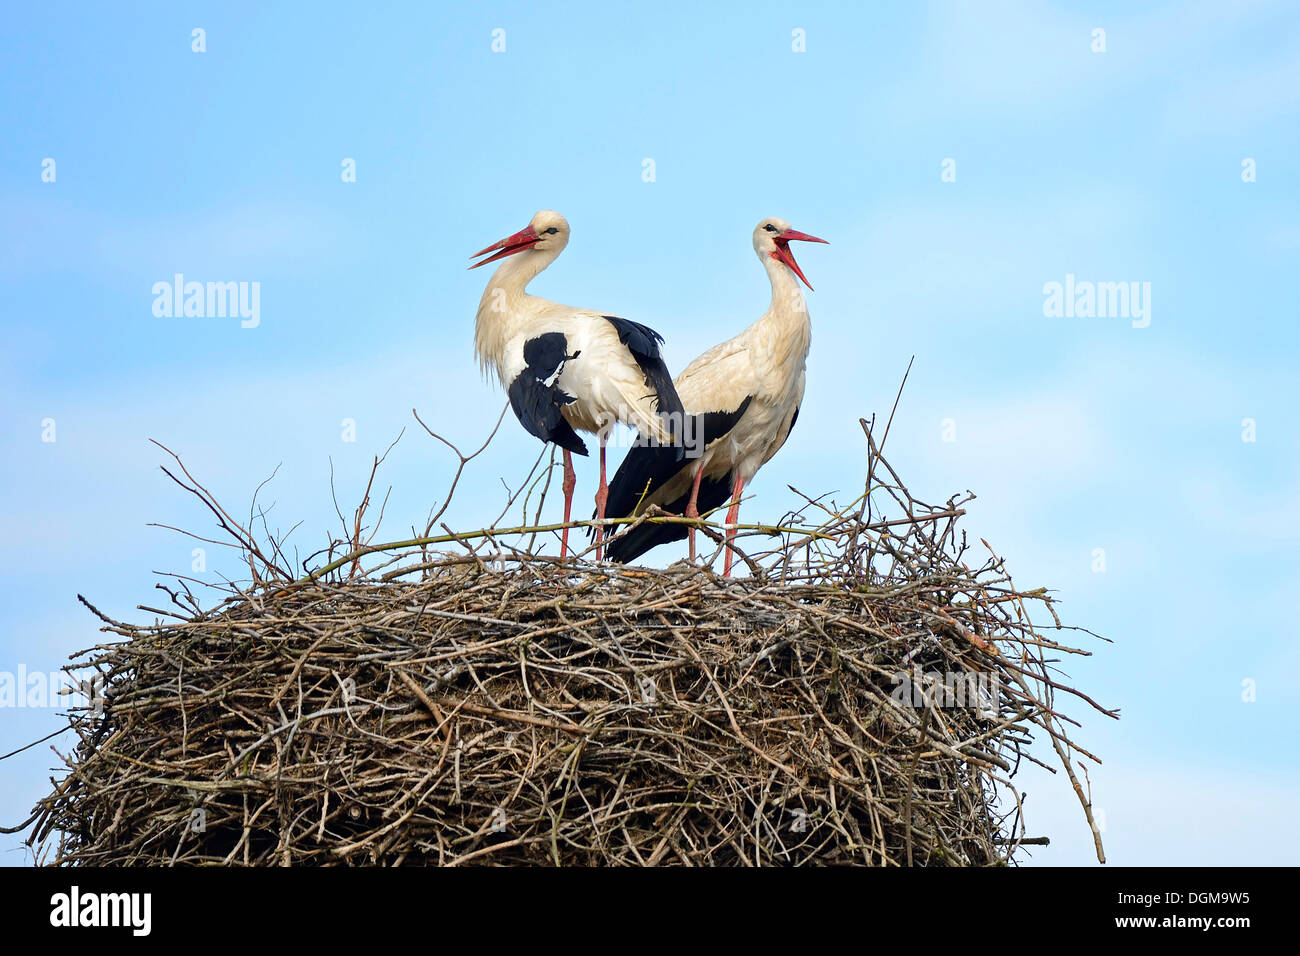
[864,696]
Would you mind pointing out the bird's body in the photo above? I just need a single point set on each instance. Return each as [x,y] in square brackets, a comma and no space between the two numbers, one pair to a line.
[597,369]
[764,364]
[744,396]
[568,370]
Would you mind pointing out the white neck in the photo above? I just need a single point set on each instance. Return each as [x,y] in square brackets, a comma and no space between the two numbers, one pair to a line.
[505,303]
[782,336]
[787,296]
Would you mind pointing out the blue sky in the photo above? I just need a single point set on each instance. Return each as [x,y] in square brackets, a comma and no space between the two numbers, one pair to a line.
[1075,433]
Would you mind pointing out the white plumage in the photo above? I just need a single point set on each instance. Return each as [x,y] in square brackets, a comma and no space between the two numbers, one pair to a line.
[745,392]
[567,369]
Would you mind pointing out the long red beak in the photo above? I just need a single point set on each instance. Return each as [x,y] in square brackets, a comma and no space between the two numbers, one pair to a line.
[521,240]
[784,254]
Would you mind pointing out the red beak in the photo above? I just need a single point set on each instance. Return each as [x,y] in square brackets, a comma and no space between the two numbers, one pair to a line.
[783,253]
[521,240]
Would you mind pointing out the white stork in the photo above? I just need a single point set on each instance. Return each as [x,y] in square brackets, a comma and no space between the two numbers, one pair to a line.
[567,368]
[744,396]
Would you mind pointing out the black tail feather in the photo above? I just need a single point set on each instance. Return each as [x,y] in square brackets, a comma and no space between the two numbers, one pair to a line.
[714,493]
[644,470]
[647,468]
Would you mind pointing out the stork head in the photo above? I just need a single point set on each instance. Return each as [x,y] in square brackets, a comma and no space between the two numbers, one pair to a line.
[772,239]
[548,232]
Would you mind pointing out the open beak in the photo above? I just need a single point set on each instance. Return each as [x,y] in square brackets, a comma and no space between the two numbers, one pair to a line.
[521,240]
[784,254]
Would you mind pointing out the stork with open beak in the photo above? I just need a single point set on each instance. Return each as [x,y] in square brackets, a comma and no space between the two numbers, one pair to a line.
[568,370]
[744,397]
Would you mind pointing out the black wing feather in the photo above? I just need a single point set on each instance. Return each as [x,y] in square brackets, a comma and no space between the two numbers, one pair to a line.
[535,397]
[713,425]
[647,468]
[714,493]
[643,342]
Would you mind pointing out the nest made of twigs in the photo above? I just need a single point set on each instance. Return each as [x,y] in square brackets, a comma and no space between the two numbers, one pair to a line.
[865,696]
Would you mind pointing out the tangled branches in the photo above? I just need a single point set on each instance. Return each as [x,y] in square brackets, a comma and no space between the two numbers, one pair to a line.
[865,696]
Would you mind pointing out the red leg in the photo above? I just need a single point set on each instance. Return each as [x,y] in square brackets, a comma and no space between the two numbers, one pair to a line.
[570,479]
[733,514]
[692,507]
[602,495]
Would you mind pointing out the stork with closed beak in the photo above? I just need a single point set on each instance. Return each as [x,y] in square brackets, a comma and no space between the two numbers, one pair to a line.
[565,369]
[744,397]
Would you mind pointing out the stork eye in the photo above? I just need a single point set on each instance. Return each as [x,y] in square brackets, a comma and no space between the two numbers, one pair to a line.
[770,228]
[550,232]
